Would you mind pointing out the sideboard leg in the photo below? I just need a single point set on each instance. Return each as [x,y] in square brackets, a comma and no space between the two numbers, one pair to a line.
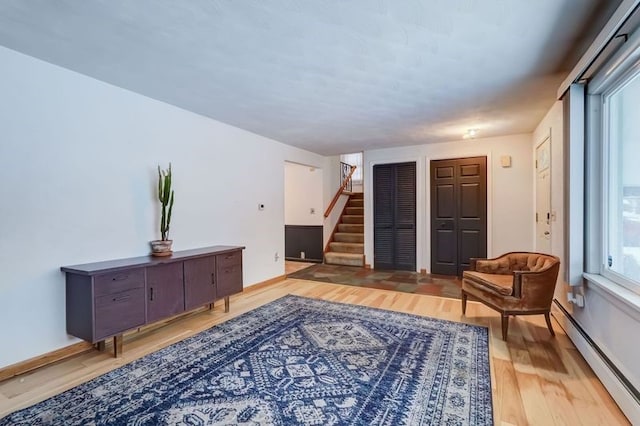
[117,346]
[226,304]
[211,306]
[101,345]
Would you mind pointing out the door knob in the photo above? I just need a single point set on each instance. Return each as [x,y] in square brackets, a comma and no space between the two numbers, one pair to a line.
[547,233]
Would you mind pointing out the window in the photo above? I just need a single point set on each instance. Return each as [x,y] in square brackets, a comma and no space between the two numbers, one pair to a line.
[354,160]
[621,182]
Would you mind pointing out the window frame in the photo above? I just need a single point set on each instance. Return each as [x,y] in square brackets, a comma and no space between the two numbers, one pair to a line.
[608,88]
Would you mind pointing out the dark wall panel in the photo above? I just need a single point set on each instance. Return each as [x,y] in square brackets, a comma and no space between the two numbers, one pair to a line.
[303,238]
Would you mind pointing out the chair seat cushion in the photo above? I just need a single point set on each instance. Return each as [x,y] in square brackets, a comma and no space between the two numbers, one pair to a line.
[499,283]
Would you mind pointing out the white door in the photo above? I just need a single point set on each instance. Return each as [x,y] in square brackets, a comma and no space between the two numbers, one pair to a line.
[543,197]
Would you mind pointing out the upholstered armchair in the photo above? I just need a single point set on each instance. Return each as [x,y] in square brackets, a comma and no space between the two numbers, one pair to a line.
[516,283]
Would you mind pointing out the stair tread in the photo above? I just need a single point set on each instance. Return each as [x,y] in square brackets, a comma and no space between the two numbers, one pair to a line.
[349,255]
[346,247]
[348,237]
[346,259]
[340,246]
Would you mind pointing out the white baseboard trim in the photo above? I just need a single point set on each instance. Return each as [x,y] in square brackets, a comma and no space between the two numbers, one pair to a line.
[618,390]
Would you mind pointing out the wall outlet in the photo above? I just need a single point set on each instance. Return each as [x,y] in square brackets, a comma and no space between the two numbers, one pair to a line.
[302,255]
[276,257]
[312,210]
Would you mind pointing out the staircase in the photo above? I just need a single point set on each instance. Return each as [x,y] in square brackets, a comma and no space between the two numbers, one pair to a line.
[347,244]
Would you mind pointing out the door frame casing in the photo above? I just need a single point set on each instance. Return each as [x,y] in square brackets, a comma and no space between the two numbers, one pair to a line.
[429,159]
[545,137]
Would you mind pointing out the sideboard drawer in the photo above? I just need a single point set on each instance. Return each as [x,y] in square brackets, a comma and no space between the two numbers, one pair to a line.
[229,259]
[116,313]
[116,282]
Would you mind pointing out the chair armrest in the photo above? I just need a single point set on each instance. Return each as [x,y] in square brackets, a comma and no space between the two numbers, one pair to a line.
[538,286]
[521,278]
[517,283]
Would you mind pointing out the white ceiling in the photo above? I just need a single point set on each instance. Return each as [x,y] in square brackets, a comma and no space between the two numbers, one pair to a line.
[329,76]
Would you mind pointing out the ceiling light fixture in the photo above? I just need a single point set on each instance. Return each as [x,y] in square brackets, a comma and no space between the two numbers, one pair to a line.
[470,134]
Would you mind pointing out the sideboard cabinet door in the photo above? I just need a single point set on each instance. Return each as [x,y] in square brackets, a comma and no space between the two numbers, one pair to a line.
[165,291]
[199,282]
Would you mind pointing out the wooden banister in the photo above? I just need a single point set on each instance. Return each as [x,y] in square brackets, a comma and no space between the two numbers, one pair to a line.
[340,191]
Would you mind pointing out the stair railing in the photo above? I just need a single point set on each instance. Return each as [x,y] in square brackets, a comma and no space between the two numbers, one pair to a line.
[346,171]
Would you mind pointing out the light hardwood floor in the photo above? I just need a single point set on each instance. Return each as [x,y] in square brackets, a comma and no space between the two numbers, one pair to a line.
[291,266]
[536,379]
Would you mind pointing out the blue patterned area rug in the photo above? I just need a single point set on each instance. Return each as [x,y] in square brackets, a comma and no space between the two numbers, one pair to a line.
[294,361]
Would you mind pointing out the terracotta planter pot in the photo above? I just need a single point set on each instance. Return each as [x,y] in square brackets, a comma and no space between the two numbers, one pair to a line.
[161,247]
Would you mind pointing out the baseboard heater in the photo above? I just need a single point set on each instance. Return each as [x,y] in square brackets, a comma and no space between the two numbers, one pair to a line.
[625,382]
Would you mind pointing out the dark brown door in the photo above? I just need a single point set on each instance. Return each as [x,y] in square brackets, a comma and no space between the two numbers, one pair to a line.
[458,213]
[199,282]
[165,291]
[394,212]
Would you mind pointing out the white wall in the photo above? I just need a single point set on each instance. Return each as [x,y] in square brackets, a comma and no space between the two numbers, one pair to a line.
[303,195]
[331,177]
[551,126]
[509,191]
[331,185]
[78,169]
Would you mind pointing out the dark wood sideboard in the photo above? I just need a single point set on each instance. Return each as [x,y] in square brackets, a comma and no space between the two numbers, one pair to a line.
[106,299]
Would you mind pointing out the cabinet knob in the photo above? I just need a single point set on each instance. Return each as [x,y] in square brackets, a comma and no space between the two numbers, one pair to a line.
[213,279]
[151,294]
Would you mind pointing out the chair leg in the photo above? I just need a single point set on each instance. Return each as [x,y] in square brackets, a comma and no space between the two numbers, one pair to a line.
[505,326]
[548,319]
[464,303]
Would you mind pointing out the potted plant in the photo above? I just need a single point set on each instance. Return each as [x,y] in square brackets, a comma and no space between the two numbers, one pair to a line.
[162,247]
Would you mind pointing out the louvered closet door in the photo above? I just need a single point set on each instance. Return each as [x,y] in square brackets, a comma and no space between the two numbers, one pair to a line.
[394,213]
